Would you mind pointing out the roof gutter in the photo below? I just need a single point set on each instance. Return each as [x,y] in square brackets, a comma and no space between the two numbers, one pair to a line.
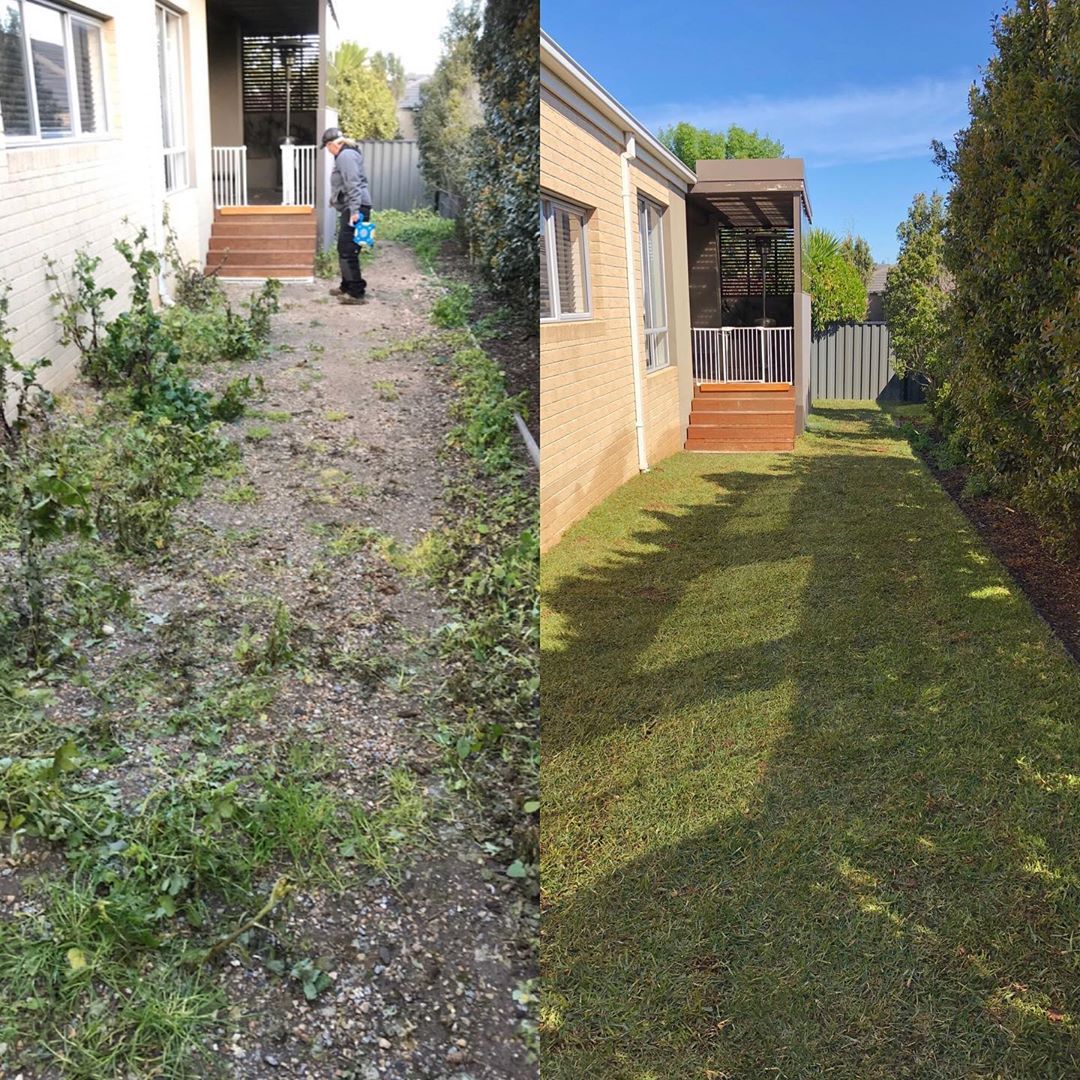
[628,155]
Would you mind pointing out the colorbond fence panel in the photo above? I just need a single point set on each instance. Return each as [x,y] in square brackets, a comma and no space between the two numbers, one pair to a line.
[854,361]
[393,171]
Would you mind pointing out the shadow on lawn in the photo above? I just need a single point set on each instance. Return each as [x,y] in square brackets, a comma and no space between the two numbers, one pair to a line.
[824,758]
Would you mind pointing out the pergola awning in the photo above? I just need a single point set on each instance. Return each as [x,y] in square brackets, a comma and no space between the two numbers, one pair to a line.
[271,17]
[755,193]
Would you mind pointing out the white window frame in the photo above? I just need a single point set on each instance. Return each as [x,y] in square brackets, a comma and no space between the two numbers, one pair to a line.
[68,16]
[548,206]
[654,330]
[180,153]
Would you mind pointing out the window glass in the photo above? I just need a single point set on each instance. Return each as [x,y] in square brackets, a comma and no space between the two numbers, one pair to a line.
[570,251]
[545,285]
[89,80]
[14,86]
[172,111]
[653,288]
[45,27]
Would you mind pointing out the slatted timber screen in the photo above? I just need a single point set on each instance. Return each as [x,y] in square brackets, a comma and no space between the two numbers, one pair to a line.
[854,361]
[264,73]
[740,264]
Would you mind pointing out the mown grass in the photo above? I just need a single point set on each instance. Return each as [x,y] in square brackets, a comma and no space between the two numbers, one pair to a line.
[810,780]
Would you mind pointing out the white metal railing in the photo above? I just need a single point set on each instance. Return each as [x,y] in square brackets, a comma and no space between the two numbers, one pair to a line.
[230,176]
[744,354]
[298,175]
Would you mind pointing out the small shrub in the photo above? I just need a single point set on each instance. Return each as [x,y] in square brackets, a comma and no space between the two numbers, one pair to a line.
[454,308]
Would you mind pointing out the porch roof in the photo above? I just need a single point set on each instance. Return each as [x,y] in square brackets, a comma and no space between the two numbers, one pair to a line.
[752,194]
[270,17]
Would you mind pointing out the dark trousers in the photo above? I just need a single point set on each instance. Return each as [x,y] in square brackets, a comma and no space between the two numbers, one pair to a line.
[352,283]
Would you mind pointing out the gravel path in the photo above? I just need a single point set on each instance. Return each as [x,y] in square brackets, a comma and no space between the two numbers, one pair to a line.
[342,449]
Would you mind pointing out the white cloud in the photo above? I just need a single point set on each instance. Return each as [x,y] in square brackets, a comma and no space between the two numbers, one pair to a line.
[856,124]
[409,29]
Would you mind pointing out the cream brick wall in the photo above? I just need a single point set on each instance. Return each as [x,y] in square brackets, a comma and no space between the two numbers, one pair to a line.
[64,195]
[587,429]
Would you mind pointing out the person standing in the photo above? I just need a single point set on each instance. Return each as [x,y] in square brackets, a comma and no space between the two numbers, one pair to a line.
[349,195]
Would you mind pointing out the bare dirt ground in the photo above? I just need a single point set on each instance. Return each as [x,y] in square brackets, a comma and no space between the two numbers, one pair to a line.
[422,968]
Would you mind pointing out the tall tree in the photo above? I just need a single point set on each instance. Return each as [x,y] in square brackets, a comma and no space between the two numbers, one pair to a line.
[837,292]
[857,252]
[390,68]
[691,144]
[504,181]
[1011,247]
[915,292]
[366,107]
[450,105]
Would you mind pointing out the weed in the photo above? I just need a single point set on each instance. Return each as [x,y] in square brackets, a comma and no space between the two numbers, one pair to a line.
[334,416]
[257,432]
[452,310]
[243,495]
[386,390]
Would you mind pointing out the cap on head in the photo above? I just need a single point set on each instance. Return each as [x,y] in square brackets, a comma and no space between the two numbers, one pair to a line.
[331,134]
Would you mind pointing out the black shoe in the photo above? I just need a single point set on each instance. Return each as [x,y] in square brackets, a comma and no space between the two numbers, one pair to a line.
[346,299]
[337,292]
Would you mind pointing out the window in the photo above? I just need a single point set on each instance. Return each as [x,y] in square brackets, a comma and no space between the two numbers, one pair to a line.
[51,75]
[171,76]
[564,262]
[653,287]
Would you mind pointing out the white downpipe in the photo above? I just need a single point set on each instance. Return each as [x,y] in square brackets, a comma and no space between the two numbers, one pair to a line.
[631,289]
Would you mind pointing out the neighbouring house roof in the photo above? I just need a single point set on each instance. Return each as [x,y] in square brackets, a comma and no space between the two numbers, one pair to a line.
[410,99]
[557,61]
[753,193]
[877,278]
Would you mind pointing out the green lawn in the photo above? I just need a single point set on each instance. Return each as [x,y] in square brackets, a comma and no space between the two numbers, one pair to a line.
[810,781]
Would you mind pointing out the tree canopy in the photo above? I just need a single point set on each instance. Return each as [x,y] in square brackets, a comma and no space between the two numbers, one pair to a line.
[691,144]
[366,106]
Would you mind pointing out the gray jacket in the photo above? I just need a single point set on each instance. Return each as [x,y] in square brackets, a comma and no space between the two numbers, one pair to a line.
[348,181]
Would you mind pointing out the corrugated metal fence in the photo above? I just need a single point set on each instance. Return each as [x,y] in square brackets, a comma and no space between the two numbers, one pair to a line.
[855,361]
[393,170]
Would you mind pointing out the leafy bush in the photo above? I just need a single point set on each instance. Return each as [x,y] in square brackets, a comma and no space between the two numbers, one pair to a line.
[1013,350]
[82,310]
[453,309]
[837,292]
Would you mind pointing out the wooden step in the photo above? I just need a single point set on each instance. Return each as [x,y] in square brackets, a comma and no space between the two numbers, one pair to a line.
[305,256]
[238,270]
[303,244]
[744,422]
[743,387]
[253,213]
[290,229]
[740,446]
[737,406]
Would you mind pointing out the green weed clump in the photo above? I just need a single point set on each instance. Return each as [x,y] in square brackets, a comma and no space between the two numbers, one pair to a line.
[423,230]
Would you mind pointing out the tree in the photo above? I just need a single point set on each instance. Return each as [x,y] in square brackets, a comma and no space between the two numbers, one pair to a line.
[503,186]
[450,105]
[1011,248]
[915,292]
[857,252]
[837,292]
[366,107]
[391,70]
[691,144]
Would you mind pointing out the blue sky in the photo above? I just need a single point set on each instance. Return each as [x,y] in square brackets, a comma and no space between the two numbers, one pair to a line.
[858,89]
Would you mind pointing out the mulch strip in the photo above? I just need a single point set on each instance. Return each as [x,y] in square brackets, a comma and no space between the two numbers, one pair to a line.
[1050,580]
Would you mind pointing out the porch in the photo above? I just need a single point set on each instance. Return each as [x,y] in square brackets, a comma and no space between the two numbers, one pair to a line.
[750,318]
[267,68]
